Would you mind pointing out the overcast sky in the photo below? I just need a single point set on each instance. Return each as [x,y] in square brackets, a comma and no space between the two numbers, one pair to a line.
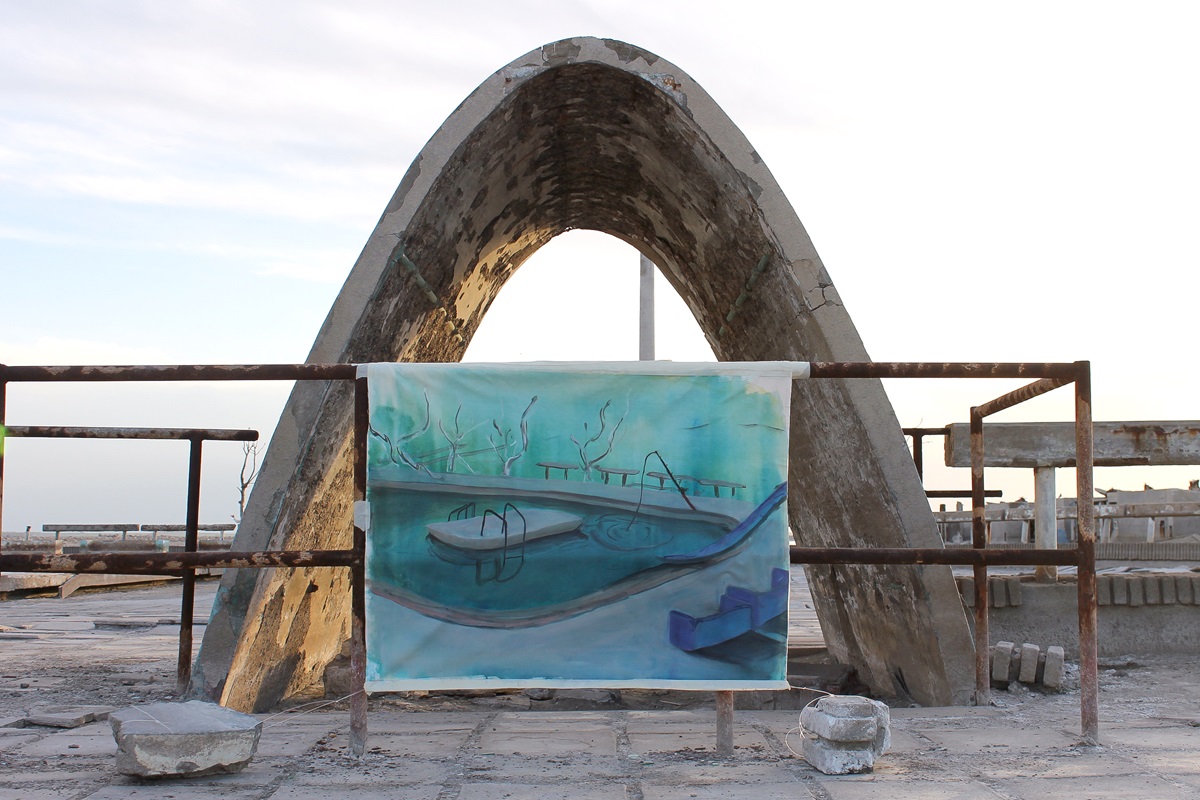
[190,182]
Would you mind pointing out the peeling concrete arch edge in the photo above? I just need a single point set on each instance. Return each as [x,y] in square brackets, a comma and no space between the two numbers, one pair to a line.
[849,446]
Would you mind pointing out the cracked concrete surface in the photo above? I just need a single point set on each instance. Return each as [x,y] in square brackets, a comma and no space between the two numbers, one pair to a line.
[443,748]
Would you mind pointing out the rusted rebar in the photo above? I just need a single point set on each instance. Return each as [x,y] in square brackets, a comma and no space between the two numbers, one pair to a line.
[183,372]
[921,369]
[71,432]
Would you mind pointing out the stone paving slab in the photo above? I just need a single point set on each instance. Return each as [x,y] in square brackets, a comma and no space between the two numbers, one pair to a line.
[1108,787]
[979,741]
[909,790]
[411,745]
[358,791]
[43,793]
[516,791]
[1176,737]
[565,741]
[780,791]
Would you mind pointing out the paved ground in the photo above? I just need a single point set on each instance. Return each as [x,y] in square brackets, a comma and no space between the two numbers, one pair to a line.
[84,650]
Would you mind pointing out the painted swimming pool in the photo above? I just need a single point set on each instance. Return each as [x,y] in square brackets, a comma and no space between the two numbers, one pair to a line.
[614,546]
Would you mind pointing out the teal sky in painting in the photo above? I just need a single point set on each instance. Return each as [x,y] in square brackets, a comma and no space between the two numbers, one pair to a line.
[711,426]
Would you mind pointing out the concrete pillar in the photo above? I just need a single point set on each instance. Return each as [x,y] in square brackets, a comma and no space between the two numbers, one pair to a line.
[646,311]
[1046,519]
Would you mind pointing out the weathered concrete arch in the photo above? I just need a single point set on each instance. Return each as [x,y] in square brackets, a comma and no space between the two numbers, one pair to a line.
[598,134]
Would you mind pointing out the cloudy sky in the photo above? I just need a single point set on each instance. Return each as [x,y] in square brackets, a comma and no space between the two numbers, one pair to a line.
[190,182]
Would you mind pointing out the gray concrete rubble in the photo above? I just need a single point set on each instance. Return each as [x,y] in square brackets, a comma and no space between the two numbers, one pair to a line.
[162,740]
[844,735]
[602,135]
[1027,664]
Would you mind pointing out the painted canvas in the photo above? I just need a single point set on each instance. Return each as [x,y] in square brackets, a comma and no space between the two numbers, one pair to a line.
[558,525]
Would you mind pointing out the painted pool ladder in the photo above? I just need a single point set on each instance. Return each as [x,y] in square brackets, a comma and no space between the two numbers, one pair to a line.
[467,511]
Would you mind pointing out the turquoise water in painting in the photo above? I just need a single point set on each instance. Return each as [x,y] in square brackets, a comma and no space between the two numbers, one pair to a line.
[611,546]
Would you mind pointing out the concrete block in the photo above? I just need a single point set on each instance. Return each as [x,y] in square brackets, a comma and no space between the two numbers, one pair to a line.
[852,721]
[834,758]
[1152,587]
[1120,590]
[67,716]
[1056,659]
[1104,590]
[845,734]
[183,739]
[967,587]
[1029,663]
[1002,656]
[1183,589]
[1170,596]
[1137,591]
[997,593]
[1013,587]
[1195,581]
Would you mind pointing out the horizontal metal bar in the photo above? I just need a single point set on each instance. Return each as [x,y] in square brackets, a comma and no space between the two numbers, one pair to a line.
[171,563]
[167,527]
[924,431]
[63,432]
[952,493]
[186,372]
[262,372]
[921,369]
[1017,396]
[915,555]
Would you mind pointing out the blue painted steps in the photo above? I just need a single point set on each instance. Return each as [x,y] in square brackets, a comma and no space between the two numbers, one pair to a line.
[740,611]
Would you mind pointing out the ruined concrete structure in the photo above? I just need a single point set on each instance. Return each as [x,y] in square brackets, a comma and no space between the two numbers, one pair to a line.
[596,134]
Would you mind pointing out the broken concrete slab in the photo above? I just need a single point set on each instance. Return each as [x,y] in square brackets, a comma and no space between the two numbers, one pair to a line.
[67,716]
[183,739]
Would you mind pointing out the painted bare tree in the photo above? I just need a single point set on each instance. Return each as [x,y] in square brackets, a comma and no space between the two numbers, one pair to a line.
[396,452]
[455,442]
[503,443]
[589,460]
[246,478]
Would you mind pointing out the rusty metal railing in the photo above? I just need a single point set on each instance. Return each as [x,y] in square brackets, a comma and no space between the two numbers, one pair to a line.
[184,564]
[197,437]
[1048,376]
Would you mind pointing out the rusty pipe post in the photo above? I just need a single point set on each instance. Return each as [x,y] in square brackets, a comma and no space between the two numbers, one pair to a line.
[1089,707]
[191,543]
[358,580]
[919,454]
[983,678]
[724,724]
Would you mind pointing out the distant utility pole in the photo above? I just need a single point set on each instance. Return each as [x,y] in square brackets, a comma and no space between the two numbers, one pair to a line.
[646,315]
